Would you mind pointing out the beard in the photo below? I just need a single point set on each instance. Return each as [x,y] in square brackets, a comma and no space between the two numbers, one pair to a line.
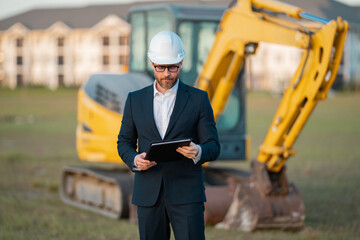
[167,82]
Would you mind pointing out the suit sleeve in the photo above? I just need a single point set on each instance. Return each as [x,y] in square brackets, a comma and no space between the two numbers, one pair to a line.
[207,133]
[127,138]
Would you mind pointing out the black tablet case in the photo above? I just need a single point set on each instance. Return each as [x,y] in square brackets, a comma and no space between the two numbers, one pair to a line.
[165,151]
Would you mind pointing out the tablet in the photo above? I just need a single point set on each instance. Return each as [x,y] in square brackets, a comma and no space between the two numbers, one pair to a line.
[165,151]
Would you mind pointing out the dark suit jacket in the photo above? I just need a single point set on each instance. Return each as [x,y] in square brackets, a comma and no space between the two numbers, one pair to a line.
[193,118]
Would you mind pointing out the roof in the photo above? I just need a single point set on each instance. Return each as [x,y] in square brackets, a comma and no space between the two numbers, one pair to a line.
[78,17]
[84,17]
[87,17]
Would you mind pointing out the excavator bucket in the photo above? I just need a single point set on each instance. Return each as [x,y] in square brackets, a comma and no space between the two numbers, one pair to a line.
[265,201]
[219,183]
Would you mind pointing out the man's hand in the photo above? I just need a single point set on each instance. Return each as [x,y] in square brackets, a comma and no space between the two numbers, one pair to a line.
[190,151]
[143,164]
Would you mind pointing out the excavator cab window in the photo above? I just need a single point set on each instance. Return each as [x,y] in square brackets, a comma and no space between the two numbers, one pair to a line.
[144,27]
[138,42]
[198,38]
[157,21]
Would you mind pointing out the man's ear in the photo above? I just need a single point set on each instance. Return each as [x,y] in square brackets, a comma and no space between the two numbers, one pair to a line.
[181,64]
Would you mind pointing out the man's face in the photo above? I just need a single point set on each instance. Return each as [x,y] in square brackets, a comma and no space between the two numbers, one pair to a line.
[166,78]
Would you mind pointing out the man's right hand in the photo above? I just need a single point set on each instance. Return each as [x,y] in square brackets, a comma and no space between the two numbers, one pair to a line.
[142,163]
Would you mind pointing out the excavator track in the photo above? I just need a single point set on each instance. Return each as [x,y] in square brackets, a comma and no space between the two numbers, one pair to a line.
[101,191]
[108,192]
[231,195]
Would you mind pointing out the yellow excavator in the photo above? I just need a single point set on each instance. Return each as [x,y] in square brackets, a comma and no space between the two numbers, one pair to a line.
[217,41]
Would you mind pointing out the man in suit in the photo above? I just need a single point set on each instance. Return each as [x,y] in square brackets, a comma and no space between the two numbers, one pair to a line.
[168,192]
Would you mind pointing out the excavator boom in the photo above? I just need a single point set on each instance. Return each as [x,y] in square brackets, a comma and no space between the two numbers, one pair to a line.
[266,199]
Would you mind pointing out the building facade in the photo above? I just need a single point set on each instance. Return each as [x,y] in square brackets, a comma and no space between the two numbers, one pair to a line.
[62,47]
[350,68]
[60,55]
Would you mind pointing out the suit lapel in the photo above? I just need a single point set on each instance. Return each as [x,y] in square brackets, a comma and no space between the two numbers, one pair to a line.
[148,110]
[182,97]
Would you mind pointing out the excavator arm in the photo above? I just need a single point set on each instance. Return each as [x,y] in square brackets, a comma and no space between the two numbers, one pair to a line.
[241,29]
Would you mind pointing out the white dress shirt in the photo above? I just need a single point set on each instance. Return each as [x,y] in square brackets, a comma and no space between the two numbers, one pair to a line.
[163,108]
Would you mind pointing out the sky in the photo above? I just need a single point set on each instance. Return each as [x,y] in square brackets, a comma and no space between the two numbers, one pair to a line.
[9,8]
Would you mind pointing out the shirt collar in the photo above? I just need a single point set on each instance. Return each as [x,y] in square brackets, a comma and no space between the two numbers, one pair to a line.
[174,89]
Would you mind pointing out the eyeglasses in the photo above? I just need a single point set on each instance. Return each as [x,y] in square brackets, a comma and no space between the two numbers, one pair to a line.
[172,68]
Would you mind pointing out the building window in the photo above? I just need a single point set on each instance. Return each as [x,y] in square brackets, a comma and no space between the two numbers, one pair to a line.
[19,42]
[60,60]
[61,79]
[19,60]
[60,41]
[19,80]
[106,60]
[123,60]
[106,41]
[122,40]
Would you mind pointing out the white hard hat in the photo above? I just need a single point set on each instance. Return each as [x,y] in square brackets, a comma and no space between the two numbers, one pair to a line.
[166,48]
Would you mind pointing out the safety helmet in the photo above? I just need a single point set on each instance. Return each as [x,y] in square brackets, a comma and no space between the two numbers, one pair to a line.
[166,48]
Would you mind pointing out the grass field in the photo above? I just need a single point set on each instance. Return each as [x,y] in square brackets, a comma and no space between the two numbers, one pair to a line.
[37,138]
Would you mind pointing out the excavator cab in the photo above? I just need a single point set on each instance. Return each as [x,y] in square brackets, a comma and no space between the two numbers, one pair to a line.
[101,102]
[196,26]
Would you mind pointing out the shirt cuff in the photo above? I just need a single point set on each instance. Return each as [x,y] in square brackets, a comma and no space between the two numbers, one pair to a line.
[198,156]
[135,168]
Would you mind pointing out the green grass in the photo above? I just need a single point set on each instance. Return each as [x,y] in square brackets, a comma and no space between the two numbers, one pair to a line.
[37,138]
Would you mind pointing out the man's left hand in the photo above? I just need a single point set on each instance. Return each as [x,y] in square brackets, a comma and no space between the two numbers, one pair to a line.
[190,151]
